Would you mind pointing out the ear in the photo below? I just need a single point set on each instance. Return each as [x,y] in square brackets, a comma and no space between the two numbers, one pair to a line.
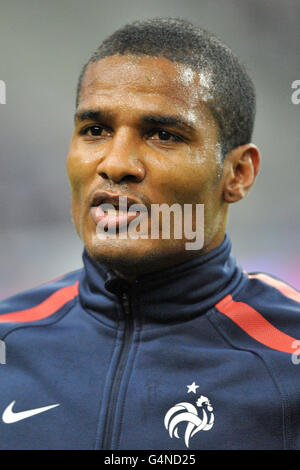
[241,167]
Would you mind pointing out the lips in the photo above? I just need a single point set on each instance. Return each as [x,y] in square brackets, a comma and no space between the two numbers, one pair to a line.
[100,197]
[110,210]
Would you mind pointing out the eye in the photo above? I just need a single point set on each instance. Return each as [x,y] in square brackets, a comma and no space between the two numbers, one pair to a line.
[163,135]
[94,131]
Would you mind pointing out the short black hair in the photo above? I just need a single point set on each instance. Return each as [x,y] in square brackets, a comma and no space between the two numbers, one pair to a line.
[230,89]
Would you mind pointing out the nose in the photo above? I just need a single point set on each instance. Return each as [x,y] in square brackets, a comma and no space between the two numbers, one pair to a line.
[121,161]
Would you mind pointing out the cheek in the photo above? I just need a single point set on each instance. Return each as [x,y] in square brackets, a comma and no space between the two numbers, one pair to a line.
[199,184]
[190,176]
[80,166]
[78,174]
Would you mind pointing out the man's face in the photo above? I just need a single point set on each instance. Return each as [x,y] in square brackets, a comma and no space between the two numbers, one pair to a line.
[143,131]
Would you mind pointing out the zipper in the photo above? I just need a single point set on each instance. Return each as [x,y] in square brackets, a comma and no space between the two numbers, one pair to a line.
[127,335]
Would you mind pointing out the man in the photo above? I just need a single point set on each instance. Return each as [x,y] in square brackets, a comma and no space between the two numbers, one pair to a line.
[152,345]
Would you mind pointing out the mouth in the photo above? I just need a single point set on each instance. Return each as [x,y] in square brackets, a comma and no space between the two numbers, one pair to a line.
[112,211]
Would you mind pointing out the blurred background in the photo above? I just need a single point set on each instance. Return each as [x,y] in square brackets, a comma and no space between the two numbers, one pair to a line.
[43,45]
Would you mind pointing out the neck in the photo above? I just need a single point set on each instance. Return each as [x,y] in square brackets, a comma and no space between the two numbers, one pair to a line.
[131,273]
[178,292]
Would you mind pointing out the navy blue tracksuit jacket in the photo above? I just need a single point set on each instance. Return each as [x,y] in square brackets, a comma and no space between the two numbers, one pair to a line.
[199,356]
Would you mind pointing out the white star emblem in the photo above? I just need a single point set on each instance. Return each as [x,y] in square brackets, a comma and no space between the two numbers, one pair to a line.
[192,388]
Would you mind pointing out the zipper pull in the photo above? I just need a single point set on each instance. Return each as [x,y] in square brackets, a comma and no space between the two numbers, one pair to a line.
[126,303]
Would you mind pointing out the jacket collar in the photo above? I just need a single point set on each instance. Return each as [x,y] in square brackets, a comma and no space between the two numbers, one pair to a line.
[177,293]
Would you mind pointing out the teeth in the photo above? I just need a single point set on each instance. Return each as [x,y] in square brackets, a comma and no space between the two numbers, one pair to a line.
[115,211]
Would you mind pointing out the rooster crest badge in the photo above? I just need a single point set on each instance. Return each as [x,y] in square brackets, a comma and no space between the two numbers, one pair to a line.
[186,412]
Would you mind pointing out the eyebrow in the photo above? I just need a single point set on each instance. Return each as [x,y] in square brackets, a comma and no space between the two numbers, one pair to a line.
[173,121]
[88,115]
[169,121]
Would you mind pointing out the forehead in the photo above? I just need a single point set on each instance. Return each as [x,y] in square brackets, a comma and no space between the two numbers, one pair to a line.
[151,79]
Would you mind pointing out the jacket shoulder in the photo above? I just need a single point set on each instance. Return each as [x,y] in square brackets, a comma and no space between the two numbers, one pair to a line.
[42,301]
[267,309]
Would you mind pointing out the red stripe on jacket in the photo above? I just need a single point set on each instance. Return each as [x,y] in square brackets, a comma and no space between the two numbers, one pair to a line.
[256,326]
[46,308]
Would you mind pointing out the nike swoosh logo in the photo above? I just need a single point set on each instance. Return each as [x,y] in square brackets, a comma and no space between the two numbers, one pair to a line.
[9,416]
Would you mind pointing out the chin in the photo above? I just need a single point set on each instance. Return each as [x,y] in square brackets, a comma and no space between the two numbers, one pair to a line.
[138,256]
[118,251]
